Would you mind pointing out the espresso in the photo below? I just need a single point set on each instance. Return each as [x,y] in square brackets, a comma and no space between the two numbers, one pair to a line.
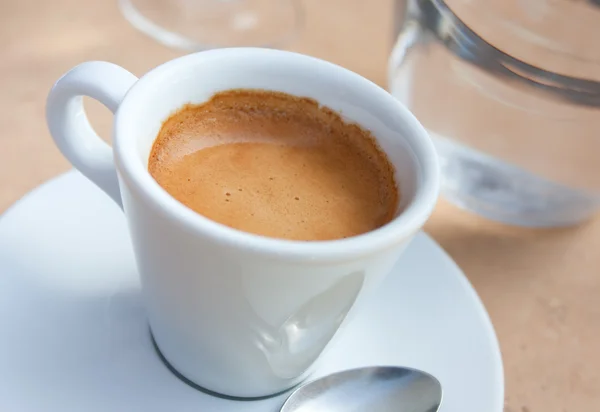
[275,165]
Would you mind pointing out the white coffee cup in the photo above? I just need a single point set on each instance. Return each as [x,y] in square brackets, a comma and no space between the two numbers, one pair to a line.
[237,313]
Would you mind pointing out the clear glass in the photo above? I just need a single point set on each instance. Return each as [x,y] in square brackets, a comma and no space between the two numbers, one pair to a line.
[509,91]
[204,24]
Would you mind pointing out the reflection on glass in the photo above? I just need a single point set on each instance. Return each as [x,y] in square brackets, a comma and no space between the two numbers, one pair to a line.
[204,24]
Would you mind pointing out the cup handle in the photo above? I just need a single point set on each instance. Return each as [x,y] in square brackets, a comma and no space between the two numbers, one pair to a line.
[70,128]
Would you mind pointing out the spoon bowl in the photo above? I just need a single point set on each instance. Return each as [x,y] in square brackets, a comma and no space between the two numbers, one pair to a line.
[373,389]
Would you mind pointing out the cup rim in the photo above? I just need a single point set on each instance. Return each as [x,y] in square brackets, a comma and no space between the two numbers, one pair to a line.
[406,224]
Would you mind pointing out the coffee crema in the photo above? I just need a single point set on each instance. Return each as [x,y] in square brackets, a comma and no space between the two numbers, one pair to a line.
[275,165]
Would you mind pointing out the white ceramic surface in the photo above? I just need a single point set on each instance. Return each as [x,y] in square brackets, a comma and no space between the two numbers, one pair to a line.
[74,335]
[237,313]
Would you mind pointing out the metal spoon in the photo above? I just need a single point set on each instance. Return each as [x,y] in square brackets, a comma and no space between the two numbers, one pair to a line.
[372,389]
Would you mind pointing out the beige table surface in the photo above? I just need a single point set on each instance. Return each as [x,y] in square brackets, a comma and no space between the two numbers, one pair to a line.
[541,288]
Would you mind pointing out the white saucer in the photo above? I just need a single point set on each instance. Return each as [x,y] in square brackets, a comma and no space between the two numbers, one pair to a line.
[73,335]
